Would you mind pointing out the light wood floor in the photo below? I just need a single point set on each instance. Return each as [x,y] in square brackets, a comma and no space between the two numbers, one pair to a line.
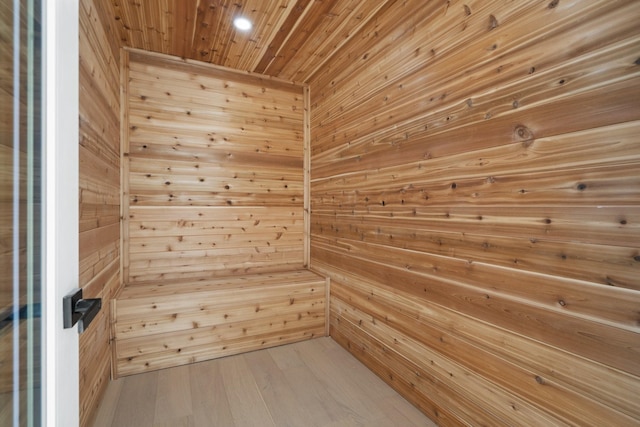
[312,383]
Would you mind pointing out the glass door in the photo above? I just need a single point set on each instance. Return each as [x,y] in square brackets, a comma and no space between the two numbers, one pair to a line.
[20,212]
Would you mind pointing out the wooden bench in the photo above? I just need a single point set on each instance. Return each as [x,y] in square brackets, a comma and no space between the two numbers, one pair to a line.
[163,325]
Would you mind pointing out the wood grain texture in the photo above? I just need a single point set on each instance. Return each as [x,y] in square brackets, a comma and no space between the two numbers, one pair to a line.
[214,170]
[310,383]
[162,324]
[99,195]
[291,39]
[475,201]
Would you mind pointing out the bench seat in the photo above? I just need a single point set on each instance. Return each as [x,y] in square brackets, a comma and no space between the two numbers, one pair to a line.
[161,325]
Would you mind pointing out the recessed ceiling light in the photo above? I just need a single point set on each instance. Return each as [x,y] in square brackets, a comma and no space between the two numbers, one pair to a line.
[243,24]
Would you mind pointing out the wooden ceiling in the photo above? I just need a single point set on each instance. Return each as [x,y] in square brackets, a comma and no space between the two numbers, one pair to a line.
[290,39]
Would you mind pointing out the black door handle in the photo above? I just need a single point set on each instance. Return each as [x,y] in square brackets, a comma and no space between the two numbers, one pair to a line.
[78,310]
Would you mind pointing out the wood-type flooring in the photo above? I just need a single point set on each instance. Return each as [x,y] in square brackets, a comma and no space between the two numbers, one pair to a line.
[311,383]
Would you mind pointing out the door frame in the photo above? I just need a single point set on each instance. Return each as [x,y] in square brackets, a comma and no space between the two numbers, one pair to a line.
[60,386]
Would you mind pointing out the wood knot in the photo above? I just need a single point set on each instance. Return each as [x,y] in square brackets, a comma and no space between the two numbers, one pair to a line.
[553,4]
[467,10]
[539,379]
[523,134]
[493,22]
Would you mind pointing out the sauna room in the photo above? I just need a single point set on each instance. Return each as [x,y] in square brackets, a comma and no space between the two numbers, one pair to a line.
[358,212]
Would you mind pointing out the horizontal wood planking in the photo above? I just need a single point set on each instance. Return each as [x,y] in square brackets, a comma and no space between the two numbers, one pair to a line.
[591,155]
[214,188]
[221,331]
[99,226]
[170,324]
[226,347]
[475,201]
[523,124]
[600,264]
[215,241]
[416,374]
[492,76]
[529,356]
[214,171]
[616,307]
[214,298]
[596,339]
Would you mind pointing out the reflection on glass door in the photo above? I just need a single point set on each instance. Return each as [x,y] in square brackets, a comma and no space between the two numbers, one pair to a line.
[20,212]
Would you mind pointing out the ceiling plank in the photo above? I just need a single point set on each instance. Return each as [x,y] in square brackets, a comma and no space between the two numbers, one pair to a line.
[290,39]
[283,34]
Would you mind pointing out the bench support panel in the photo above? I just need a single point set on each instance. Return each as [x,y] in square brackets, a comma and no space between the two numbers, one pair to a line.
[159,326]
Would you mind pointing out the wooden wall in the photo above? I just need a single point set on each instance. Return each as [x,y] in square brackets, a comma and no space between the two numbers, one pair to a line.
[476,202]
[213,171]
[162,325]
[99,194]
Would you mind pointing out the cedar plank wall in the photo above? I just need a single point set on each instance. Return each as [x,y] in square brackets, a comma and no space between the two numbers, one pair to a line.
[475,200]
[213,164]
[99,195]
